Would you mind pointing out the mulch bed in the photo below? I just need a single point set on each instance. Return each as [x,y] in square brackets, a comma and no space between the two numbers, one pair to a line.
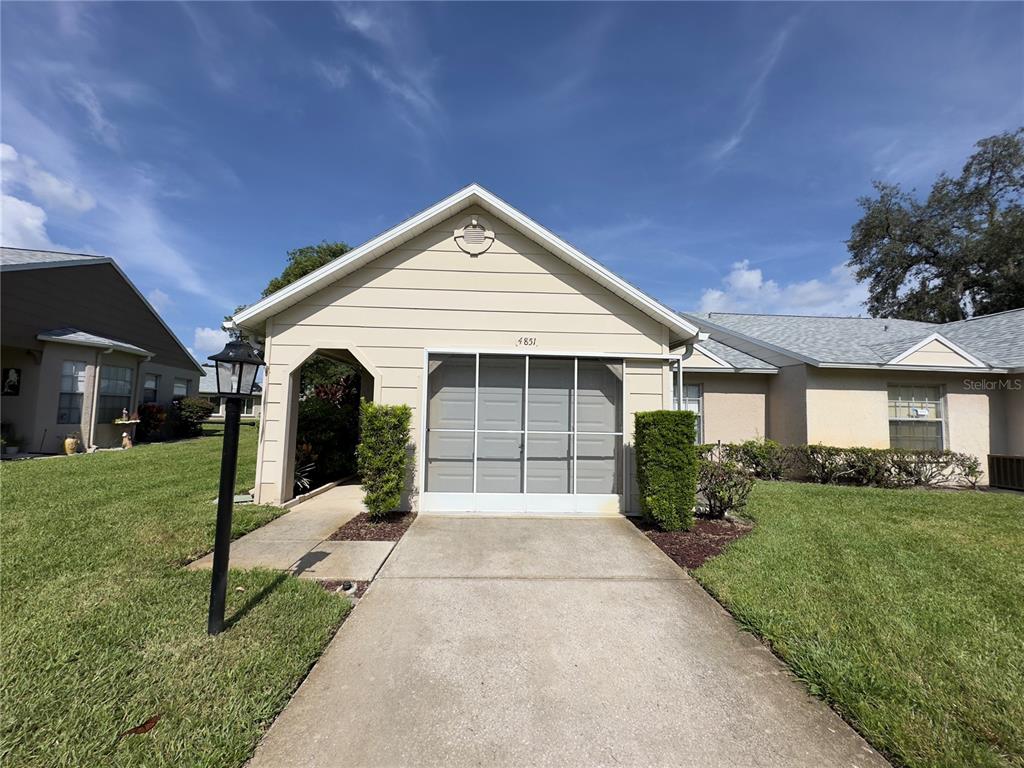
[332,585]
[362,528]
[691,549]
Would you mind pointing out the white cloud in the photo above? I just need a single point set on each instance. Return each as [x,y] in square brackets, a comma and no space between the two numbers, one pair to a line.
[161,301]
[333,76]
[755,93]
[23,225]
[24,172]
[745,289]
[84,96]
[207,341]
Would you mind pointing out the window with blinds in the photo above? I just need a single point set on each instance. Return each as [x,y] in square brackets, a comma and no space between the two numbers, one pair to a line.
[916,415]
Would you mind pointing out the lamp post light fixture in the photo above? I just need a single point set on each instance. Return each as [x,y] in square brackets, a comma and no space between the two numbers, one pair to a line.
[237,365]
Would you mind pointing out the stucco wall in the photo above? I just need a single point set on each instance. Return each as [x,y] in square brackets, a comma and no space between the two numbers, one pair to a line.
[734,405]
[850,408]
[1013,407]
[786,406]
[429,294]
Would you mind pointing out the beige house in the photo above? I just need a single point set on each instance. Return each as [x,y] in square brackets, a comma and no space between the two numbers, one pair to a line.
[852,381]
[524,362]
[80,345]
[522,359]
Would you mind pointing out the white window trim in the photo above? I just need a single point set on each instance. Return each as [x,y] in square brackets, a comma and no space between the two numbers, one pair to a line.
[944,421]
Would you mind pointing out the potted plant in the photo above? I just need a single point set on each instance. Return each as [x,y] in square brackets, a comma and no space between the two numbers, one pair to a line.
[12,445]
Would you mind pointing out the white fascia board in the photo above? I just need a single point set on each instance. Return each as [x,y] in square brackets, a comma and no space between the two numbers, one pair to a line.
[709,354]
[766,371]
[253,317]
[942,340]
[925,368]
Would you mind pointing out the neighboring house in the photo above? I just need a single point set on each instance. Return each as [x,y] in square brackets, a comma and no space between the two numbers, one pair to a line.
[855,381]
[524,362]
[208,391]
[80,345]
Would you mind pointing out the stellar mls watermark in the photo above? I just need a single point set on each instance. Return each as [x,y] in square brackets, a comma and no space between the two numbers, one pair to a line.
[993,385]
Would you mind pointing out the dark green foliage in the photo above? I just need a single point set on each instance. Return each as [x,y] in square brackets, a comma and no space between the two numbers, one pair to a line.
[666,467]
[302,261]
[725,486]
[327,433]
[185,417]
[383,455]
[152,423]
[958,253]
[883,467]
[765,458]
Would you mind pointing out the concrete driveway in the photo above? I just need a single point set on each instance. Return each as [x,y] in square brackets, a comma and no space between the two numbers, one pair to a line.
[548,642]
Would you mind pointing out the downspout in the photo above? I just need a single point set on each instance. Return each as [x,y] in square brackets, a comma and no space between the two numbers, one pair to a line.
[687,354]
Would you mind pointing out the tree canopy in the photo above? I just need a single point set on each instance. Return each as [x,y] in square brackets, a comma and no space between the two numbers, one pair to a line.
[959,252]
[302,261]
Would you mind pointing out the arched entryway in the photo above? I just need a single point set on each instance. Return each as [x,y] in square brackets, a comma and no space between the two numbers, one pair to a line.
[324,393]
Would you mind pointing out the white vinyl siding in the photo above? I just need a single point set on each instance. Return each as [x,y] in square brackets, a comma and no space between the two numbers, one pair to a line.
[916,417]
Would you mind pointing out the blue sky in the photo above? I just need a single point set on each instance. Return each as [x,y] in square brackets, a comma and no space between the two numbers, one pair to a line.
[711,154]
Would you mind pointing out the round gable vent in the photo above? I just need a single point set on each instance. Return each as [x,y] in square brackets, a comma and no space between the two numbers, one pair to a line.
[474,236]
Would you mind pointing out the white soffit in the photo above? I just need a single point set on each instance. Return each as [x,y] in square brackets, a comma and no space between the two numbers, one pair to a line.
[253,317]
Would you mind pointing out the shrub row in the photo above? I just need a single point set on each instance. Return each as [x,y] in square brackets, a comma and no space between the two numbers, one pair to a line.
[880,467]
[180,419]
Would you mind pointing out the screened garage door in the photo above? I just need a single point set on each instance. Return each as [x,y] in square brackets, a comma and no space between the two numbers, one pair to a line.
[523,434]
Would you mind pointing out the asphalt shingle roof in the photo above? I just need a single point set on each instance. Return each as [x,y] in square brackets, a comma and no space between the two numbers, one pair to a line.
[28,258]
[735,357]
[75,336]
[997,340]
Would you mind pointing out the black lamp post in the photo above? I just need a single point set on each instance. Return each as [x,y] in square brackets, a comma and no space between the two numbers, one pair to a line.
[237,365]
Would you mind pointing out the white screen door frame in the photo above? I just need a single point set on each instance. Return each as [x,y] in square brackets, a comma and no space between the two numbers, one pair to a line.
[471,498]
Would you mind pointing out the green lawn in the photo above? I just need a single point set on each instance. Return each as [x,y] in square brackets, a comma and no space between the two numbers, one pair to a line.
[101,629]
[903,609]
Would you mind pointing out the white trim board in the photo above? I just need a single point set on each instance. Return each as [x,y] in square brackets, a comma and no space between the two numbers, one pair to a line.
[945,342]
[252,318]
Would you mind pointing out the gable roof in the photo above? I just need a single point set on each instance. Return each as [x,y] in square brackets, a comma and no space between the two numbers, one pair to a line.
[997,338]
[732,360]
[254,317]
[12,259]
[24,259]
[86,339]
[989,342]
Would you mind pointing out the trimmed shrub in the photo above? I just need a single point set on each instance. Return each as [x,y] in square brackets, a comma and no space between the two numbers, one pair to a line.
[666,467]
[185,417]
[885,467]
[765,458]
[382,455]
[725,486]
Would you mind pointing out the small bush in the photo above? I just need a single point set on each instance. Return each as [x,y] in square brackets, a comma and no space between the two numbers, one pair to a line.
[724,484]
[152,423]
[382,455]
[885,467]
[765,458]
[666,467]
[186,416]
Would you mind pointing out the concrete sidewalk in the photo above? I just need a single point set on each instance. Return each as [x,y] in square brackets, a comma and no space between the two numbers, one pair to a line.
[297,541]
[521,642]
